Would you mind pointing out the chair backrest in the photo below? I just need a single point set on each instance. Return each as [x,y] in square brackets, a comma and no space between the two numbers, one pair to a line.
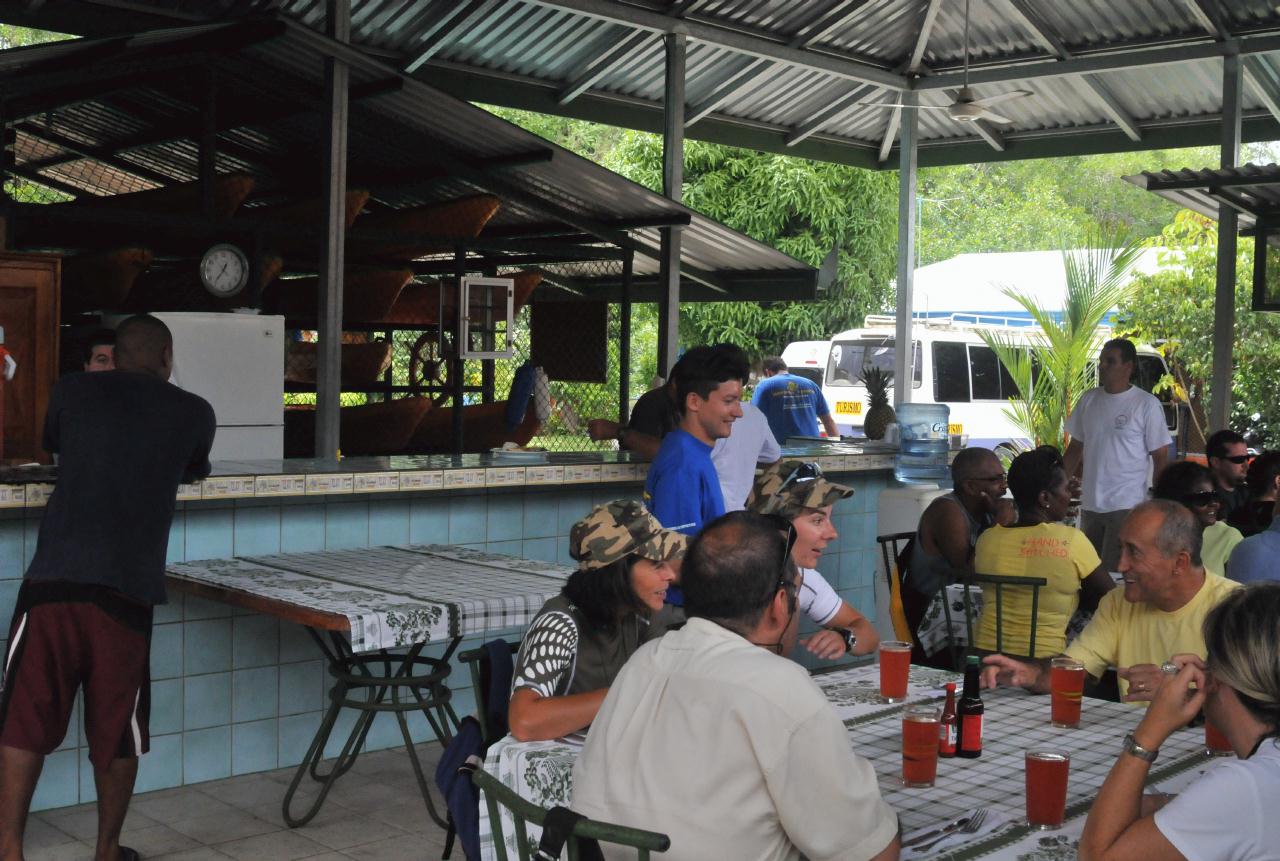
[492,666]
[461,797]
[523,813]
[998,584]
[893,551]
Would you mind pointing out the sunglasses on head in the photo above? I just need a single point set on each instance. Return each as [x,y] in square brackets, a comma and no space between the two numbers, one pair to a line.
[802,474]
[1201,499]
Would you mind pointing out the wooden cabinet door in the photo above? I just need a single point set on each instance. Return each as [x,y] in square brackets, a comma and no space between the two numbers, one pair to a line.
[29,315]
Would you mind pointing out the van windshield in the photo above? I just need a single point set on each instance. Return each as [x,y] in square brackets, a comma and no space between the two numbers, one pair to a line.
[848,358]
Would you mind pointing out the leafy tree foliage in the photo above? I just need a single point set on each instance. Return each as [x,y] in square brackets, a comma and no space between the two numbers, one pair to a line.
[800,207]
[1174,309]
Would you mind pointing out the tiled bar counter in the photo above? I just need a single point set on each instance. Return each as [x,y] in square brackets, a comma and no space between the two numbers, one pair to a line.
[236,692]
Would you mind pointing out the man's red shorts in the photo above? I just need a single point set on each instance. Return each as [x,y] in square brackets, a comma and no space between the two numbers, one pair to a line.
[65,636]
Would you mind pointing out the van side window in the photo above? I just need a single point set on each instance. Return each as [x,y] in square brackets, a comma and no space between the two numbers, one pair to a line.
[950,372]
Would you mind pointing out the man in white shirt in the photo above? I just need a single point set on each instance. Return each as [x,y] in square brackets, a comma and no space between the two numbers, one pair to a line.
[713,737]
[1115,429]
[737,455]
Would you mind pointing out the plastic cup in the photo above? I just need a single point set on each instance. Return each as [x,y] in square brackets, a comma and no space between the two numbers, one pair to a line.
[1215,743]
[919,745]
[1066,686]
[1047,788]
[895,663]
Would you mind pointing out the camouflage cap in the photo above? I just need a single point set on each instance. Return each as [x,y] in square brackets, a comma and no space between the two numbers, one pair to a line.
[776,491]
[617,529]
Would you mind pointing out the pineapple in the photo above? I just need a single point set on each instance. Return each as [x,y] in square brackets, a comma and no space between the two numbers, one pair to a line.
[879,414]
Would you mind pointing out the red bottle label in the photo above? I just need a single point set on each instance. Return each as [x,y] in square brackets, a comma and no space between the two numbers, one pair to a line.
[947,739]
[971,738]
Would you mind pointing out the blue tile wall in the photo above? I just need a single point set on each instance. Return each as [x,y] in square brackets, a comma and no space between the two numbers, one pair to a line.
[236,692]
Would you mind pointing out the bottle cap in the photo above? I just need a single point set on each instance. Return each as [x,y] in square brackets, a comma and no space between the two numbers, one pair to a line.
[971,661]
[951,687]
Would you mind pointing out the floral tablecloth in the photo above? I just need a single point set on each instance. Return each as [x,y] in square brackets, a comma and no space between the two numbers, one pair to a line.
[394,596]
[542,772]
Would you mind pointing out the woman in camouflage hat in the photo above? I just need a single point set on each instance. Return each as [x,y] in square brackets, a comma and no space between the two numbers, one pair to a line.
[796,491]
[608,608]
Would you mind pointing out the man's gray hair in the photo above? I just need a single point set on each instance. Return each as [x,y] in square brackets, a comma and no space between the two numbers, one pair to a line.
[1179,529]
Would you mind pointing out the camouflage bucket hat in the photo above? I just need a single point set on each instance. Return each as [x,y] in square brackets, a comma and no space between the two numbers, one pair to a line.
[617,529]
[789,486]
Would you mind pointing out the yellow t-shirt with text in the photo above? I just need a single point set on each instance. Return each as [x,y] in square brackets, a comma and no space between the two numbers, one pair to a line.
[1060,554]
[1123,634]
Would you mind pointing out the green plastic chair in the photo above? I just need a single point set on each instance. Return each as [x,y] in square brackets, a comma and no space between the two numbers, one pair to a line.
[1000,584]
[496,795]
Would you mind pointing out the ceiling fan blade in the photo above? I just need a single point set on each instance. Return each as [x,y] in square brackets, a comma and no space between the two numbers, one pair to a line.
[995,118]
[988,101]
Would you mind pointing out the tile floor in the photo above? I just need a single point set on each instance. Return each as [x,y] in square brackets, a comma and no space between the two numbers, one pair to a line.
[373,813]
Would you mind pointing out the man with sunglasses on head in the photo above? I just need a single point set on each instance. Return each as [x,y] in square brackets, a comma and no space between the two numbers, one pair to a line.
[712,736]
[1228,459]
[1115,429]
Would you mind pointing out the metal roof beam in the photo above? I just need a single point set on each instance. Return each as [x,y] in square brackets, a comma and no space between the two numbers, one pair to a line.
[829,111]
[836,17]
[463,15]
[100,154]
[922,40]
[1209,16]
[890,132]
[735,40]
[1106,61]
[1256,76]
[743,81]
[1043,33]
[599,66]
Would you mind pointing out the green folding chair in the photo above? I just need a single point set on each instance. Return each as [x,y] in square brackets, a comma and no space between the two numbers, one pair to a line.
[998,584]
[523,812]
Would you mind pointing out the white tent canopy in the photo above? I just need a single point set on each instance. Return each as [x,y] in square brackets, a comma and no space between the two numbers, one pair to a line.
[972,285]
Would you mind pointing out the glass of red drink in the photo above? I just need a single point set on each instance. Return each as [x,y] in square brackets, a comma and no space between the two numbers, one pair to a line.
[1215,743]
[919,745]
[1066,686]
[1047,788]
[895,662]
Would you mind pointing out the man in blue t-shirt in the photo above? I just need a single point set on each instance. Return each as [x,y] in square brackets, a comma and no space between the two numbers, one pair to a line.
[682,489]
[794,405]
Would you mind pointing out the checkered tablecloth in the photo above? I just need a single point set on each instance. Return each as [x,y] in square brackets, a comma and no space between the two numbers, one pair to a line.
[394,596]
[1015,722]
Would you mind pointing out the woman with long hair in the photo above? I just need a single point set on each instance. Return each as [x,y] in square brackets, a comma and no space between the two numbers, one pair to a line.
[797,492]
[1038,544]
[1229,812]
[1192,485]
[608,608]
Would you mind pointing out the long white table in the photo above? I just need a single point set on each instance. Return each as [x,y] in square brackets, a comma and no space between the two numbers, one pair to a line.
[542,772]
[371,612]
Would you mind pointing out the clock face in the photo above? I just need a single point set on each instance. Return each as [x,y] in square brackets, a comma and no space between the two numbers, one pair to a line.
[224,270]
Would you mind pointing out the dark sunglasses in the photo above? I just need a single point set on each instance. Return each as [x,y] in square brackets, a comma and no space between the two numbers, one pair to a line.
[802,474]
[1236,458]
[784,526]
[1000,476]
[1201,499]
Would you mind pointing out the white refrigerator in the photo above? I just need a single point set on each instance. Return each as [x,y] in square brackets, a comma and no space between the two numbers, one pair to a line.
[236,363]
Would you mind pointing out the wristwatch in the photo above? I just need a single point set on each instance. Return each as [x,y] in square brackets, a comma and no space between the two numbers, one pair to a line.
[849,639]
[1132,747]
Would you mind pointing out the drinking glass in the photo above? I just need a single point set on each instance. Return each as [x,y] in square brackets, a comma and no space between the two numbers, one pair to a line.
[1047,788]
[895,663]
[1215,743]
[919,745]
[1066,685]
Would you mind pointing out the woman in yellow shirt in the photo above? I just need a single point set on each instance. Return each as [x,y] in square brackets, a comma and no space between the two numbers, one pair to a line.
[1038,544]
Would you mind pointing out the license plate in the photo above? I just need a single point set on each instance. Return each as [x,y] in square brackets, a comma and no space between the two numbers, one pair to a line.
[848,408]
[955,428]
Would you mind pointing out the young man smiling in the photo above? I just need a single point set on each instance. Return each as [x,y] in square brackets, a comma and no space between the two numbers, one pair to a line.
[682,489]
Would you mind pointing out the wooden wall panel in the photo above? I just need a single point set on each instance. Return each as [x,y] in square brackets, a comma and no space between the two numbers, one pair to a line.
[29,315]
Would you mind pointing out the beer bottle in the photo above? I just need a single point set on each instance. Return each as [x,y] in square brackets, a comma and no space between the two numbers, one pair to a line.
[969,712]
[947,725]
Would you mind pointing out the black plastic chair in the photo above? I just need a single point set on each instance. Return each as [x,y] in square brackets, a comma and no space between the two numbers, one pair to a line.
[999,583]
[492,666]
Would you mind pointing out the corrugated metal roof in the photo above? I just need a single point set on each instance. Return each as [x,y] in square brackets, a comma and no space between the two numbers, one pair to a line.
[526,53]
[408,143]
[1252,190]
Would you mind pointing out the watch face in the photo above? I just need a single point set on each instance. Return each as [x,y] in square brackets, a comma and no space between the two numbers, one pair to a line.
[224,270]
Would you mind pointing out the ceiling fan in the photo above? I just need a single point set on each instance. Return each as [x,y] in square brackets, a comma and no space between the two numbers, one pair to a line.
[967,107]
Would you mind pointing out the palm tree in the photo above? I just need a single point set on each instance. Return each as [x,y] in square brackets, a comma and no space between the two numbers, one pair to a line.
[1052,375]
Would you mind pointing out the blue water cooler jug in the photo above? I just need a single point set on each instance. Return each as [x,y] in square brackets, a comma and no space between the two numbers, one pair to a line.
[923,444]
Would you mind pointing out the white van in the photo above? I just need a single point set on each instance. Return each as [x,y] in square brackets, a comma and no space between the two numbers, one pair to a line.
[807,359]
[951,364]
